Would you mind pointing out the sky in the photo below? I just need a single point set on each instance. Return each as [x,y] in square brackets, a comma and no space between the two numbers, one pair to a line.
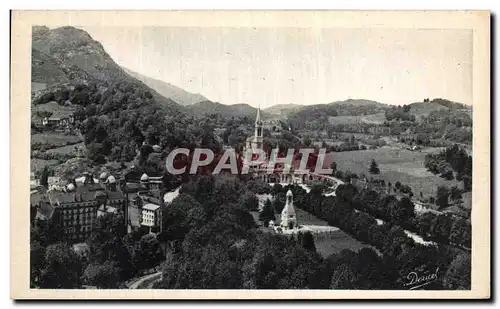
[269,66]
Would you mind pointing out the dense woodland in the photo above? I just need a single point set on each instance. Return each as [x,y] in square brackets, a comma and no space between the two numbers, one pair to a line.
[452,163]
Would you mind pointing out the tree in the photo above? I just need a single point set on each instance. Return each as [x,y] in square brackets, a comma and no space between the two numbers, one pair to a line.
[398,185]
[62,268]
[442,195]
[37,261]
[279,202]
[44,177]
[104,276]
[467,183]
[333,166]
[250,202]
[448,174]
[402,211]
[461,232]
[458,275]
[455,193]
[307,241]
[343,278]
[307,141]
[267,213]
[150,252]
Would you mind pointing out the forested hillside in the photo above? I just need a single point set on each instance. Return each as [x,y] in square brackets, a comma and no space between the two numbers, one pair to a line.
[115,112]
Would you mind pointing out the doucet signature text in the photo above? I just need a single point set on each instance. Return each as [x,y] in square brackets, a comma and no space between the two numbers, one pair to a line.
[416,281]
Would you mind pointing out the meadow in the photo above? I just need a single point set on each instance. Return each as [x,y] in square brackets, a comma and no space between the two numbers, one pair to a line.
[330,242]
[326,243]
[378,118]
[69,149]
[335,242]
[39,164]
[54,139]
[395,164]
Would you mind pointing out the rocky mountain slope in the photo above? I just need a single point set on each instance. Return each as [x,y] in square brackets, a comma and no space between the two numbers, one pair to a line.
[68,56]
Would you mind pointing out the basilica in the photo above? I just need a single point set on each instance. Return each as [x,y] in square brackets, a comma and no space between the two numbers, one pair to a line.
[281,173]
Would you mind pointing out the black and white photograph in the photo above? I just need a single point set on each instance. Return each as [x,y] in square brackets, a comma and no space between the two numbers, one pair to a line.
[254,157]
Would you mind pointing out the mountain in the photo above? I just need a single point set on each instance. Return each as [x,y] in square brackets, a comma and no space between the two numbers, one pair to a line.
[283,109]
[236,110]
[167,90]
[320,115]
[420,109]
[360,102]
[348,107]
[115,113]
[67,56]
[74,50]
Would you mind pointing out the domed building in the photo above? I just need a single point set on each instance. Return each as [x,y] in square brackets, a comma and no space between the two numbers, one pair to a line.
[111,183]
[103,177]
[144,177]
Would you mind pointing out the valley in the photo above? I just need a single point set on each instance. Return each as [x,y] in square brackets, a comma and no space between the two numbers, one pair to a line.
[102,200]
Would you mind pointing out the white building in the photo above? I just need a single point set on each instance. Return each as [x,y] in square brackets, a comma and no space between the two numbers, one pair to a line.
[151,215]
[288,215]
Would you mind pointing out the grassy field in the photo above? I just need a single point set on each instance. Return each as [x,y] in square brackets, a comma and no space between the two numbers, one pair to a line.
[333,243]
[305,218]
[50,107]
[54,139]
[374,119]
[67,149]
[326,243]
[38,164]
[395,165]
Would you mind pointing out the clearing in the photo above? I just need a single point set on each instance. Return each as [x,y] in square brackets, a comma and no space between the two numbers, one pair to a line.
[69,149]
[395,165]
[378,118]
[39,164]
[54,139]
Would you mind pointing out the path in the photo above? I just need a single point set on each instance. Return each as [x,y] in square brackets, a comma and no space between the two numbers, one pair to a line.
[151,277]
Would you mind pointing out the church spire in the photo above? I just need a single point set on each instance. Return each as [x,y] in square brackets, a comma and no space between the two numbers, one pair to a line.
[257,119]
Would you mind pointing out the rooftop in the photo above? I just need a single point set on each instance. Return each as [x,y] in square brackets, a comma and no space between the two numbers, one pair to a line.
[151,207]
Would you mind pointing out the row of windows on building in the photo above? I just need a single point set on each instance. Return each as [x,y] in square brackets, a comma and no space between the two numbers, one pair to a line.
[74,230]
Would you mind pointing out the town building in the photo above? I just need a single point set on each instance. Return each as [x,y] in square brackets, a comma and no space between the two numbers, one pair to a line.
[149,190]
[59,120]
[151,217]
[77,206]
[380,130]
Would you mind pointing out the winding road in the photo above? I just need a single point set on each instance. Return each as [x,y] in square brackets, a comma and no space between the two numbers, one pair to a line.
[145,282]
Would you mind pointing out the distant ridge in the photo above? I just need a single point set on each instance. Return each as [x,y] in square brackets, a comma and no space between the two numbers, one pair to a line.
[167,90]
[236,110]
[284,109]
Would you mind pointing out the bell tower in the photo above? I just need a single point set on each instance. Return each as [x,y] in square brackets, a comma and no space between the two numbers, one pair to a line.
[258,138]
